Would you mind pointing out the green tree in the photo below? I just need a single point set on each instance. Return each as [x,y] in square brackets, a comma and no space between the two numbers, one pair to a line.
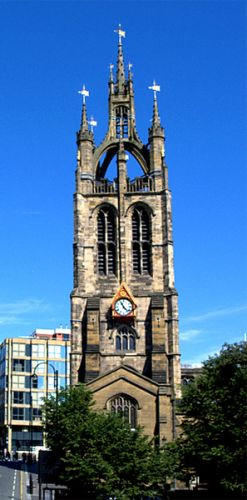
[99,454]
[214,409]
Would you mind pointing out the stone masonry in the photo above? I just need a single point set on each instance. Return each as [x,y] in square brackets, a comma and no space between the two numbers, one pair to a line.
[150,373]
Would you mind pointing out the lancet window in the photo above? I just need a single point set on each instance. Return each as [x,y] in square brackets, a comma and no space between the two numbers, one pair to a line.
[106,241]
[141,238]
[121,122]
[124,405]
[125,339]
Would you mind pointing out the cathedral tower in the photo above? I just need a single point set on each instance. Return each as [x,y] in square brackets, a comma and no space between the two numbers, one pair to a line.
[124,314]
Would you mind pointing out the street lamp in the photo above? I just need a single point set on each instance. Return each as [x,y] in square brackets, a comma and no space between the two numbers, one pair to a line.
[34,377]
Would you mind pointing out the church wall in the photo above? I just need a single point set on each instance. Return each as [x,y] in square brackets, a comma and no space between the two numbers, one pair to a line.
[95,358]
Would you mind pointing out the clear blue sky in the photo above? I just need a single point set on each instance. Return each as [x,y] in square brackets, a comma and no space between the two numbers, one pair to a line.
[195,51]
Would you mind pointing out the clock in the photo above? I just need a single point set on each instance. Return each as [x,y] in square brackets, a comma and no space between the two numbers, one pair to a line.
[123,307]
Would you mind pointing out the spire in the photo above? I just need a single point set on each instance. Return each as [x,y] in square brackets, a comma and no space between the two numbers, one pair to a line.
[120,62]
[84,131]
[156,118]
[84,123]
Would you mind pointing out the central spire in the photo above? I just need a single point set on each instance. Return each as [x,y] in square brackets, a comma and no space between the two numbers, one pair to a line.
[120,62]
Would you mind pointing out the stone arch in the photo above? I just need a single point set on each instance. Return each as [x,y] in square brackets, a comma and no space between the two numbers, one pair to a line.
[103,204]
[125,405]
[110,149]
[142,204]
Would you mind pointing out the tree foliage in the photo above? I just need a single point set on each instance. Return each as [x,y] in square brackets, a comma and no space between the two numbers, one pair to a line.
[99,454]
[214,409]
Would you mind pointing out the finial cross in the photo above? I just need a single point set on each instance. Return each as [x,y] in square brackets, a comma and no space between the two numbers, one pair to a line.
[92,122]
[155,88]
[121,34]
[84,93]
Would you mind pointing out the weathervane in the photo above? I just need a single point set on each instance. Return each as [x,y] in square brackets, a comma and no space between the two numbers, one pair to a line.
[155,88]
[92,122]
[84,93]
[121,34]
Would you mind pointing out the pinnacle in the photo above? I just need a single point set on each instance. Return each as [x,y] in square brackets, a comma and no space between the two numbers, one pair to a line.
[156,117]
[84,123]
[120,69]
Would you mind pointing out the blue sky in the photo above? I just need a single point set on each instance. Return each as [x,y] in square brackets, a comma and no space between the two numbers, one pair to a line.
[195,51]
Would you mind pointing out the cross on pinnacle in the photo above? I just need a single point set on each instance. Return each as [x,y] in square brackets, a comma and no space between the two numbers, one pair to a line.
[121,34]
[84,93]
[155,88]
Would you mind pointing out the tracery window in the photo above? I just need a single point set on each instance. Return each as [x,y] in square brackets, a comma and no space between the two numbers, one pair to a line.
[124,405]
[125,339]
[121,122]
[141,237]
[106,241]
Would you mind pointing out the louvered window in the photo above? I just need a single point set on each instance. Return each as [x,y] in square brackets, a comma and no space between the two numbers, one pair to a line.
[125,339]
[106,241]
[141,241]
[121,122]
[125,406]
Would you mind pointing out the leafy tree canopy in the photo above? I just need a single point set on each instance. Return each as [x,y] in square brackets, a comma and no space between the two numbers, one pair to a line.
[214,409]
[100,456]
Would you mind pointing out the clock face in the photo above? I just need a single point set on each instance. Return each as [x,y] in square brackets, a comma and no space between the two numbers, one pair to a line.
[123,307]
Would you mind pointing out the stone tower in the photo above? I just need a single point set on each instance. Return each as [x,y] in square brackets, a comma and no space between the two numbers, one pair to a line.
[124,314]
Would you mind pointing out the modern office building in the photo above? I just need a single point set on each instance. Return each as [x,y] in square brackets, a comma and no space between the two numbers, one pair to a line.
[30,367]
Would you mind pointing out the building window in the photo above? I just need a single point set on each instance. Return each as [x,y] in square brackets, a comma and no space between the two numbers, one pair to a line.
[54,351]
[60,366]
[18,398]
[187,380]
[141,238]
[125,406]
[37,398]
[18,413]
[38,368]
[36,414]
[125,339]
[106,230]
[18,381]
[121,122]
[21,365]
[38,382]
[21,440]
[38,350]
[18,365]
[19,349]
[21,398]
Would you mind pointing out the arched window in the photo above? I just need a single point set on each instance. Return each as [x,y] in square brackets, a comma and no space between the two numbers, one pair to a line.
[187,380]
[106,241]
[125,339]
[141,237]
[126,406]
[121,122]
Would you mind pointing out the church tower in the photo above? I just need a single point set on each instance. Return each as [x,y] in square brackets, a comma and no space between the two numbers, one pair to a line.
[124,315]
